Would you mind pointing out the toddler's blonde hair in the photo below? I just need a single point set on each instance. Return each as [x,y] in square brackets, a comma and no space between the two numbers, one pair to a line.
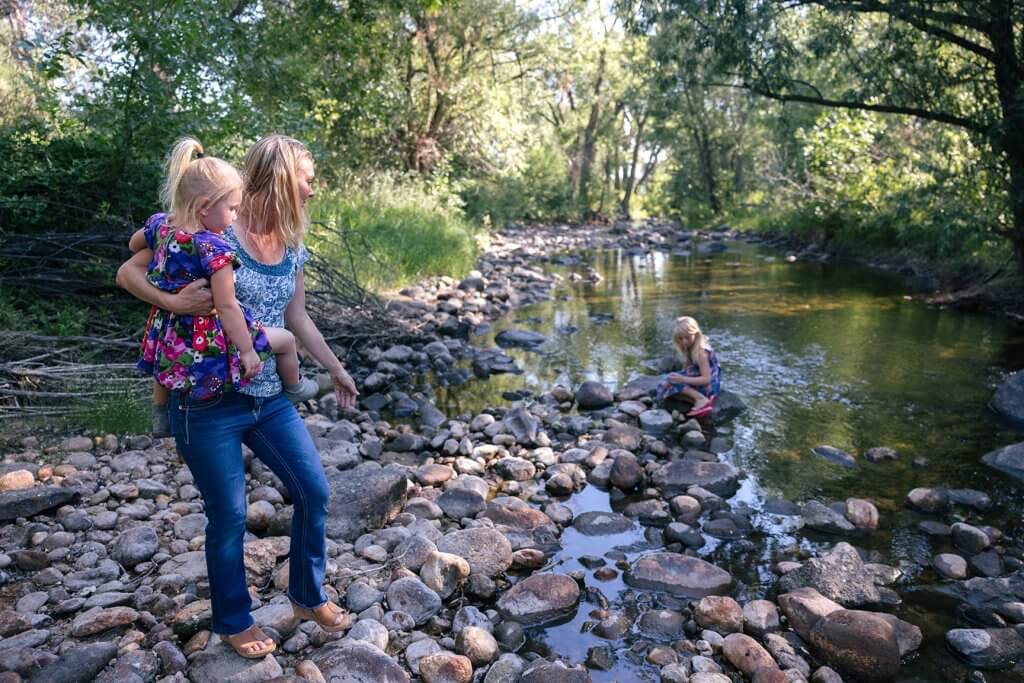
[687,325]
[271,202]
[193,181]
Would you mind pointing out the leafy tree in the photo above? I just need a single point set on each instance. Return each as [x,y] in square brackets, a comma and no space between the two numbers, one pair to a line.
[955,62]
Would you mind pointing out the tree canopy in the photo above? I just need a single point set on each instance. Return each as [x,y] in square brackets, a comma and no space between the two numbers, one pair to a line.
[878,124]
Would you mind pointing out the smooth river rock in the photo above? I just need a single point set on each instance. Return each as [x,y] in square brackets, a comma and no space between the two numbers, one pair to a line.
[679,575]
[1008,400]
[539,598]
[486,550]
[363,498]
[1008,459]
[353,661]
[990,648]
[678,476]
[602,523]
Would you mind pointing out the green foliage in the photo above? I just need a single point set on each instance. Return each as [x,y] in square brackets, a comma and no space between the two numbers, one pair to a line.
[126,411]
[539,192]
[43,316]
[399,230]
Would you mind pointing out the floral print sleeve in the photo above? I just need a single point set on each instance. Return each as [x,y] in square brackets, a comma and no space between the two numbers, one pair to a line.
[151,229]
[214,253]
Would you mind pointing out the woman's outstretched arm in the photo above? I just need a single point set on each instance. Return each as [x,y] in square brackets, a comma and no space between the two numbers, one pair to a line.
[306,331]
[195,299]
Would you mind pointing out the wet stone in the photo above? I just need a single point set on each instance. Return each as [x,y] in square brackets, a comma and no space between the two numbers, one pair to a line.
[412,596]
[836,455]
[950,566]
[602,523]
[679,575]
[539,598]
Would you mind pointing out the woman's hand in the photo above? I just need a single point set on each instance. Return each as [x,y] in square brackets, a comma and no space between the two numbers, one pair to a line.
[344,388]
[195,299]
[676,378]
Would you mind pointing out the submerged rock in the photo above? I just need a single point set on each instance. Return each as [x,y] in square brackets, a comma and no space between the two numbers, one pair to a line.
[1008,400]
[1008,459]
[990,648]
[602,523]
[836,455]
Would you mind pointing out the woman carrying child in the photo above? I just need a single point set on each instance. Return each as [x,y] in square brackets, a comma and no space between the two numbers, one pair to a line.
[700,380]
[266,238]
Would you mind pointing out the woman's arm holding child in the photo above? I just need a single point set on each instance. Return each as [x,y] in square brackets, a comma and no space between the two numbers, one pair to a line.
[194,299]
[138,243]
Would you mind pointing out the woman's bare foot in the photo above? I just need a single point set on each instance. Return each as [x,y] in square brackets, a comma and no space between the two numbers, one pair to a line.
[328,616]
[252,643]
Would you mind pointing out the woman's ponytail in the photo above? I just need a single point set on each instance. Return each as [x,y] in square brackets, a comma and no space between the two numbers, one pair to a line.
[177,163]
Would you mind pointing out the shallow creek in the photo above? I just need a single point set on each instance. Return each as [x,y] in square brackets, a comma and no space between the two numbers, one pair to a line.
[834,354]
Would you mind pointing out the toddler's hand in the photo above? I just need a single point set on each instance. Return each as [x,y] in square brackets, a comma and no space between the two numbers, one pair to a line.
[675,378]
[251,364]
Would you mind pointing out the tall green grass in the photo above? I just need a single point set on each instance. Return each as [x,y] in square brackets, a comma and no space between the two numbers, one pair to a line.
[399,230]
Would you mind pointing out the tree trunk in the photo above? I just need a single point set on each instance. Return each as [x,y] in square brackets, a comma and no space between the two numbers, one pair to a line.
[589,142]
[706,159]
[1009,81]
[630,181]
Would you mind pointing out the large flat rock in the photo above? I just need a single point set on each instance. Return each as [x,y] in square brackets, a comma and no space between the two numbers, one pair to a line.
[679,575]
[355,661]
[364,498]
[29,502]
[678,476]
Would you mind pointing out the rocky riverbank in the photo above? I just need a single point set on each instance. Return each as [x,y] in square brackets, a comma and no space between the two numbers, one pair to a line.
[448,536]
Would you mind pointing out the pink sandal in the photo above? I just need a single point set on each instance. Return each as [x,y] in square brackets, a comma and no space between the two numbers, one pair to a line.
[703,410]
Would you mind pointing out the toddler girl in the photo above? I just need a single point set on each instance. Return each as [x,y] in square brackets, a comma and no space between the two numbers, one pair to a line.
[700,379]
[204,355]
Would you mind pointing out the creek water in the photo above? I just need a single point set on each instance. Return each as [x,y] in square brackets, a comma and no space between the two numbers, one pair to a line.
[834,354]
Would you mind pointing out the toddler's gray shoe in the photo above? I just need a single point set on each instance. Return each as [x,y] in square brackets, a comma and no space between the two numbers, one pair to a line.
[160,424]
[303,391]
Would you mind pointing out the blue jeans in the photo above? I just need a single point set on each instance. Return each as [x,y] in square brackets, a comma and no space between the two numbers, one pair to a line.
[209,435]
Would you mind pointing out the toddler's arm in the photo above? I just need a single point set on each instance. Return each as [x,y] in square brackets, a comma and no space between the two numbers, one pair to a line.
[231,318]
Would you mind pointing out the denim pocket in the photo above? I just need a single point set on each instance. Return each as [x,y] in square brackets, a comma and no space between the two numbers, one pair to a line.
[192,405]
[188,410]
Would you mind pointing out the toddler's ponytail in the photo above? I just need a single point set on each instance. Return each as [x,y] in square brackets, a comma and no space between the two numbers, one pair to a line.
[174,168]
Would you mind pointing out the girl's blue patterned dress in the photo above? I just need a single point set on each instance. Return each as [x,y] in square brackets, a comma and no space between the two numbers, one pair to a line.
[186,353]
[668,389]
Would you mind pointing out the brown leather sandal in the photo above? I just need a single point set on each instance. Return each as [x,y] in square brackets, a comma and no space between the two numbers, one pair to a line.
[336,620]
[243,641]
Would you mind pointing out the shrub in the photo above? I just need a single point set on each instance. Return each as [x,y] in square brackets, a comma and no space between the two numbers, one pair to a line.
[400,229]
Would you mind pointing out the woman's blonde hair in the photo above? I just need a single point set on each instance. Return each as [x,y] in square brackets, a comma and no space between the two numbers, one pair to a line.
[685,325]
[271,201]
[193,181]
